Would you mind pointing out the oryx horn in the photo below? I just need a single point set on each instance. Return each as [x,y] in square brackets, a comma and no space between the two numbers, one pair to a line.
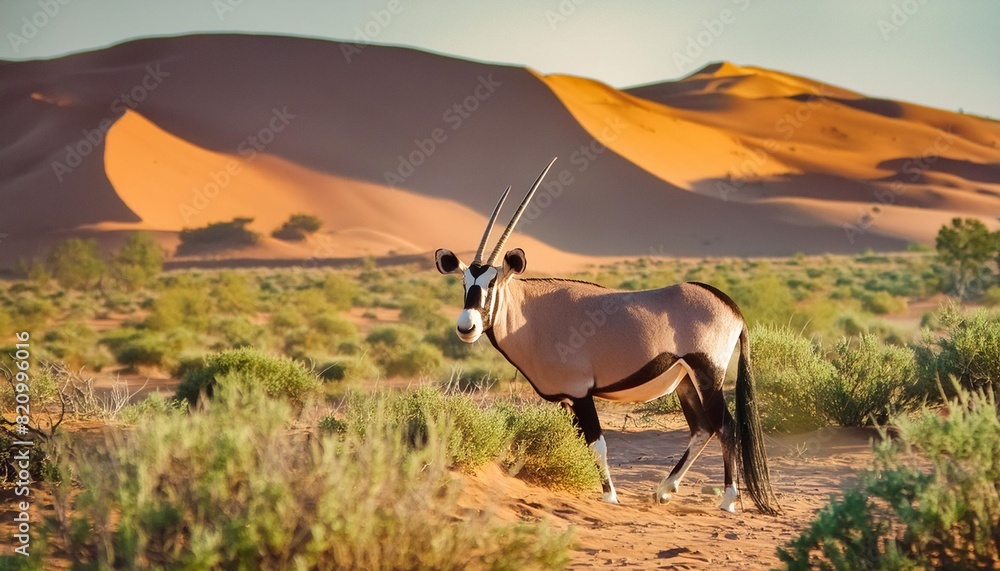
[489,228]
[517,215]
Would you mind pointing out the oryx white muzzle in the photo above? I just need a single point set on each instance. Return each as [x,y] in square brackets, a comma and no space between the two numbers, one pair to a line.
[470,325]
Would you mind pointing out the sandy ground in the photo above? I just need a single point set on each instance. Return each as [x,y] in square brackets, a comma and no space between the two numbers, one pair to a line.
[689,532]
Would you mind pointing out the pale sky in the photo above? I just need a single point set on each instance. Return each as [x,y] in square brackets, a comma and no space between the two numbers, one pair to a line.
[934,52]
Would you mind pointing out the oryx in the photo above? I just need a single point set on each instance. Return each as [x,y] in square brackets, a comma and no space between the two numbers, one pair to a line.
[574,341]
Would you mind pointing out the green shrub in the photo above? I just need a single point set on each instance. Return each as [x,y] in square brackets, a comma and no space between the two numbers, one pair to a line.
[234,232]
[968,351]
[75,344]
[340,291]
[765,299]
[477,435]
[902,515]
[475,378]
[547,449]
[148,348]
[138,262]
[991,297]
[230,488]
[297,227]
[882,302]
[421,360]
[276,376]
[667,404]
[348,368]
[180,306]
[872,381]
[399,351]
[423,313]
[76,263]
[789,370]
[237,332]
[324,333]
[233,293]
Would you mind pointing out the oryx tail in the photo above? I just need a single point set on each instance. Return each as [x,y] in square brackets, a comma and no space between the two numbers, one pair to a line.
[750,435]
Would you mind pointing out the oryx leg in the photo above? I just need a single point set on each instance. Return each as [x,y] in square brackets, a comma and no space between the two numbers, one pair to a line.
[701,433]
[718,412]
[697,394]
[590,427]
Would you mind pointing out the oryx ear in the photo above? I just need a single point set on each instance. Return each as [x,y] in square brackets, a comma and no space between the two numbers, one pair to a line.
[514,262]
[448,263]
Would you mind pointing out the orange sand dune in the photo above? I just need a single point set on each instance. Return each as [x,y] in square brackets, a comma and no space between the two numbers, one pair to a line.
[171,184]
[832,157]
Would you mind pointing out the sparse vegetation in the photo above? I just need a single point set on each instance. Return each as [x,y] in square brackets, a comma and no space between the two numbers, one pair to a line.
[297,227]
[77,263]
[276,376]
[902,515]
[831,343]
[227,487]
[872,381]
[789,370]
[232,233]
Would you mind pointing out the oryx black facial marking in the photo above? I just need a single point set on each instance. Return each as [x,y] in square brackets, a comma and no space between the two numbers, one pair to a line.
[561,336]
[474,297]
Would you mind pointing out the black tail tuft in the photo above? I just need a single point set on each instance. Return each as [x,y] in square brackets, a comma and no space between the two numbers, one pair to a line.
[750,436]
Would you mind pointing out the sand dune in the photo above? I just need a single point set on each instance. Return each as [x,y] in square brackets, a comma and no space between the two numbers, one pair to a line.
[832,157]
[399,150]
[171,184]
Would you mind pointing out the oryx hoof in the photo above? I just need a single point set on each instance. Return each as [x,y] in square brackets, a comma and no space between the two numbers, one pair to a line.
[611,497]
[661,497]
[729,498]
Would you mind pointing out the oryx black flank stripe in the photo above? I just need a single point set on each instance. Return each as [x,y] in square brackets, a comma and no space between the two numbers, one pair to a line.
[722,297]
[648,372]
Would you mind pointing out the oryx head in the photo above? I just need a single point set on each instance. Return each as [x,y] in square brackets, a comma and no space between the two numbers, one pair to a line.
[483,279]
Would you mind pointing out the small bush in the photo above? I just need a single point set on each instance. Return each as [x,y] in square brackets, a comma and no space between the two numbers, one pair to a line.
[138,262]
[348,368]
[76,263]
[400,352]
[667,404]
[475,378]
[547,449]
[297,227]
[968,351]
[233,293]
[903,516]
[234,232]
[180,306]
[478,435]
[789,370]
[340,291]
[872,381]
[276,376]
[148,348]
[991,297]
[882,302]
